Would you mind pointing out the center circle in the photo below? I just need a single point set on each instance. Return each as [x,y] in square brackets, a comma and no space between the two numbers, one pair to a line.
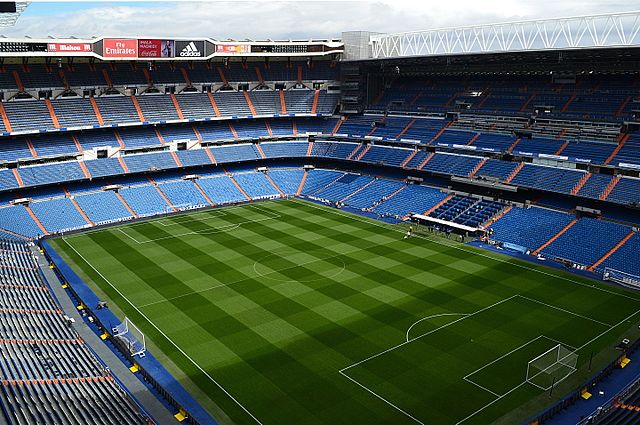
[273,265]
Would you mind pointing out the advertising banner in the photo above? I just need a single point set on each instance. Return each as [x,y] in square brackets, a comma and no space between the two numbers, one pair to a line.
[190,49]
[120,48]
[233,48]
[156,48]
[69,47]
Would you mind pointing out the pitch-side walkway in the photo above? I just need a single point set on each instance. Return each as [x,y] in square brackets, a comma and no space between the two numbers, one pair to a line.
[610,386]
[149,402]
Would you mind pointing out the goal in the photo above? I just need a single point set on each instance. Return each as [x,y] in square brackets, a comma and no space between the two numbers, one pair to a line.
[626,279]
[551,367]
[131,336]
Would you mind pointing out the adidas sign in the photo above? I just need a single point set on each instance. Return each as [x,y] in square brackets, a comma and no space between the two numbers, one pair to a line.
[190,50]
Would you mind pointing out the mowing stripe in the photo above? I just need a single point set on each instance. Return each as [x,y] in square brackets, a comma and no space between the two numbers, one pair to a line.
[164,334]
[428,333]
[433,316]
[578,349]
[463,248]
[381,398]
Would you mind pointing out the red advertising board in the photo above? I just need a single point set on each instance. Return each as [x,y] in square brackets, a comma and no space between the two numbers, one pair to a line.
[69,47]
[119,48]
[155,48]
[232,48]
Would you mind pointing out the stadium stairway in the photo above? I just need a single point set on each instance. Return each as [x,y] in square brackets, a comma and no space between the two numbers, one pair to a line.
[303,181]
[556,236]
[438,205]
[203,193]
[161,193]
[275,186]
[387,197]
[36,220]
[605,194]
[409,158]
[235,183]
[612,251]
[357,191]
[126,205]
[78,208]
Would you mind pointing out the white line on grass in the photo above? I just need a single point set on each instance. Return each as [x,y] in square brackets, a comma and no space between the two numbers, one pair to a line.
[565,311]
[249,278]
[480,386]
[173,221]
[343,370]
[266,275]
[467,376]
[504,355]
[499,397]
[433,316]
[382,398]
[428,333]
[463,248]
[165,335]
[578,349]
[212,230]
[221,229]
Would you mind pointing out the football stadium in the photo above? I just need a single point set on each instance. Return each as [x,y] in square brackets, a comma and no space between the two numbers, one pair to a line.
[436,227]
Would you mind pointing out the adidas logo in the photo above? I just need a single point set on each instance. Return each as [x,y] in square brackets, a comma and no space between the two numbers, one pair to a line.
[190,50]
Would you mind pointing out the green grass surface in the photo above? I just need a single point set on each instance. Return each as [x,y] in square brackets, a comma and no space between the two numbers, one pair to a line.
[309,315]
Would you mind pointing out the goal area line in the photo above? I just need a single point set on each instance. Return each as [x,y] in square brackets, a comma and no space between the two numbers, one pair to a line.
[467,378]
[518,348]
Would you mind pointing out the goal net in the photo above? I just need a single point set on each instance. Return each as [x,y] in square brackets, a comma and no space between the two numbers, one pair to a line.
[626,279]
[551,367]
[131,336]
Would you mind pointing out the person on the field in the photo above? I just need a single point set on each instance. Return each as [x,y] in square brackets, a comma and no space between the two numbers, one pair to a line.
[409,232]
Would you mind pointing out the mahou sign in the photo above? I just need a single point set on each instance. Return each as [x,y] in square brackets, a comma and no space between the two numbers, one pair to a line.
[69,47]
[119,48]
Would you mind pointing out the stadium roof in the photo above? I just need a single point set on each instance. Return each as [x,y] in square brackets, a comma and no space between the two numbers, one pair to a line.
[8,19]
[579,32]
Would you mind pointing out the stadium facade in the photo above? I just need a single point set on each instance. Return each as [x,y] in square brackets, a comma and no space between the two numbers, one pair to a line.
[523,136]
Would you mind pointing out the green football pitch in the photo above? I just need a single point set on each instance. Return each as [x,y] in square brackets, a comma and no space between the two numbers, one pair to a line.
[286,312]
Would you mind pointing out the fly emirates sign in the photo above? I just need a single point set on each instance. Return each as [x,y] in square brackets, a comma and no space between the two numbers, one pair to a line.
[120,48]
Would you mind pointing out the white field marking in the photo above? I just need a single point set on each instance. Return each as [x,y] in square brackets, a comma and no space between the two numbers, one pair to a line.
[556,382]
[565,311]
[341,254]
[382,398]
[225,228]
[211,230]
[266,275]
[481,387]
[219,211]
[433,316]
[504,355]
[467,376]
[149,219]
[425,334]
[190,218]
[164,334]
[498,397]
[211,214]
[462,247]
[628,318]
[246,278]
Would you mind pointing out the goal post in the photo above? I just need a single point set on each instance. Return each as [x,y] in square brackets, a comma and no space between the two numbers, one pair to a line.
[551,367]
[131,336]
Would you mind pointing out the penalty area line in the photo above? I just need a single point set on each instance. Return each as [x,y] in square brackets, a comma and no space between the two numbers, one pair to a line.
[370,391]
